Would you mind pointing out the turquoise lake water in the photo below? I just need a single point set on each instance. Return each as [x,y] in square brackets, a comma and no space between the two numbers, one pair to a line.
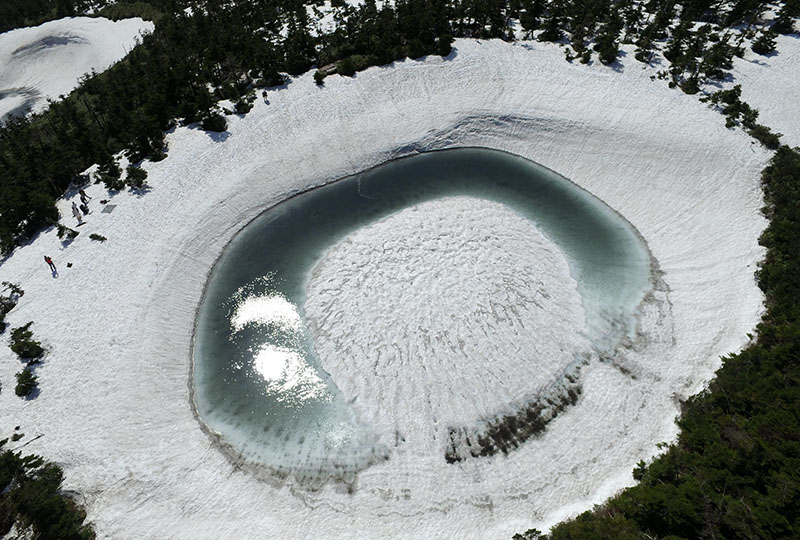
[256,378]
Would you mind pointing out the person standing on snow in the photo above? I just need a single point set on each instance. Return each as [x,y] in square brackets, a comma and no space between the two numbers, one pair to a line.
[84,197]
[77,213]
[50,263]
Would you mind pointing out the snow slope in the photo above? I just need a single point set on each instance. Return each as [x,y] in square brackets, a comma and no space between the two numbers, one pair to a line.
[770,84]
[115,409]
[46,61]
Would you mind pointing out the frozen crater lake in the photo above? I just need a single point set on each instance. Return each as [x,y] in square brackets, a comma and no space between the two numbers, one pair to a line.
[434,312]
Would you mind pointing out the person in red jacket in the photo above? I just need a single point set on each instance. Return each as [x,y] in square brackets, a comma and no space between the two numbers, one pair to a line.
[50,263]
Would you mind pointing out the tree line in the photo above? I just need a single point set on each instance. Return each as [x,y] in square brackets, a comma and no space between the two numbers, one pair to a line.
[20,13]
[202,52]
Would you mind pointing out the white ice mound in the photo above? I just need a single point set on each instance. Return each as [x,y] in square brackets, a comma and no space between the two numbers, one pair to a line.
[48,60]
[442,314]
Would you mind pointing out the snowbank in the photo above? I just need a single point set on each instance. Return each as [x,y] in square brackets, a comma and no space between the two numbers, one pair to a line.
[115,405]
[46,61]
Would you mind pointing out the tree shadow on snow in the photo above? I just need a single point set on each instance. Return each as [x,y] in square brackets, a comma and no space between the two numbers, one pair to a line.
[721,83]
[26,241]
[756,61]
[218,136]
[33,394]
[617,64]
[452,55]
[142,191]
[276,88]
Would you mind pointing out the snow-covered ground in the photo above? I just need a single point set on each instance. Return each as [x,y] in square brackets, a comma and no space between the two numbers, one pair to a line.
[43,62]
[434,300]
[771,84]
[115,409]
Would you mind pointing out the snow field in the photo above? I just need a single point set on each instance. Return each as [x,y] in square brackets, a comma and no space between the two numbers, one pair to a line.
[46,61]
[443,314]
[770,84]
[115,402]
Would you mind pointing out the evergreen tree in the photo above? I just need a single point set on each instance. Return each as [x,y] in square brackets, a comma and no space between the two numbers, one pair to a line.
[765,43]
[784,21]
[607,40]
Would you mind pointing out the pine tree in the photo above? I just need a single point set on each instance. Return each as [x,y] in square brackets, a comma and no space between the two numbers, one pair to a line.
[765,43]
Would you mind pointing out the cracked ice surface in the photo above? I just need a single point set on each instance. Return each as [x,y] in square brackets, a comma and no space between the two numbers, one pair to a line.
[443,313]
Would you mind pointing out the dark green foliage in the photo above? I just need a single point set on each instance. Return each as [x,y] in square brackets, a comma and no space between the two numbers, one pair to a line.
[607,39]
[19,13]
[745,12]
[416,48]
[299,45]
[97,237]
[552,30]
[765,136]
[640,470]
[608,51]
[245,103]
[32,497]
[778,275]
[717,59]
[23,344]
[444,45]
[26,382]
[13,289]
[135,177]
[530,534]
[765,43]
[214,122]
[319,78]
[8,301]
[110,174]
[347,67]
[733,107]
[23,214]
[530,15]
[223,50]
[128,9]
[690,85]
[734,471]
[66,234]
[784,25]
[784,22]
